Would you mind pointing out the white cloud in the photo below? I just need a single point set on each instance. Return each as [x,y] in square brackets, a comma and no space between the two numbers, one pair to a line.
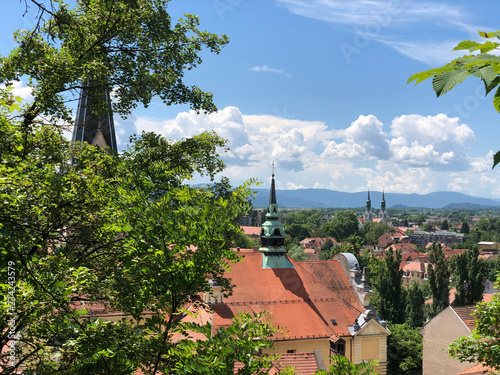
[428,140]
[22,91]
[363,140]
[267,69]
[417,154]
[362,12]
[392,23]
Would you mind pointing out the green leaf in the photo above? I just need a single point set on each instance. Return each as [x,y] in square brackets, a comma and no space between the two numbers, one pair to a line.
[488,46]
[444,82]
[486,73]
[490,34]
[492,85]
[496,100]
[465,44]
[496,159]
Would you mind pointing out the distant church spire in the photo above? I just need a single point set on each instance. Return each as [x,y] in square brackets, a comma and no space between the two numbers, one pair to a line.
[93,129]
[383,215]
[368,215]
[272,235]
[272,195]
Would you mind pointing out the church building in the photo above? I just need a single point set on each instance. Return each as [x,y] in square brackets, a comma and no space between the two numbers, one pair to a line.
[322,304]
[369,216]
[93,129]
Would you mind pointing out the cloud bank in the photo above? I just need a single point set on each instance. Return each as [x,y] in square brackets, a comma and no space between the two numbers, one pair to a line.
[411,154]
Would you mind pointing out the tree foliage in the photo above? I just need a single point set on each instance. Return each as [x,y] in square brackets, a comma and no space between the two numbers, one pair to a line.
[343,225]
[342,366]
[386,279]
[439,279]
[469,274]
[132,47]
[371,231]
[404,350]
[482,345]
[114,230]
[483,65]
[415,302]
[296,252]
[298,231]
[465,228]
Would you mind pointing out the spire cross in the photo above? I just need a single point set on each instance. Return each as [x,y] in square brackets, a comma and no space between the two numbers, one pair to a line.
[273,168]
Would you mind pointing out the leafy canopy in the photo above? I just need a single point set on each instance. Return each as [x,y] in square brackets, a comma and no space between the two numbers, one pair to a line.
[132,47]
[482,345]
[109,235]
[483,65]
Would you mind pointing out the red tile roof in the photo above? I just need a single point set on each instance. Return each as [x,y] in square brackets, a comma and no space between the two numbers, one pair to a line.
[465,314]
[415,266]
[478,369]
[304,299]
[409,247]
[302,363]
[251,231]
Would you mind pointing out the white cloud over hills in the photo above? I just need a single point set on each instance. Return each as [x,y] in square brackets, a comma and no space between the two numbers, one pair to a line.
[412,154]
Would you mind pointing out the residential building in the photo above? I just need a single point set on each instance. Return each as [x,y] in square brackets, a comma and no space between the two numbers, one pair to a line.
[414,272]
[446,327]
[421,238]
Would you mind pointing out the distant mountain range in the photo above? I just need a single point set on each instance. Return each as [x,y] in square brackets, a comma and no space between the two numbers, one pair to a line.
[323,198]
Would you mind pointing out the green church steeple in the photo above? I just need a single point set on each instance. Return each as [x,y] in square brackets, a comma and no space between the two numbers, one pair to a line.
[272,236]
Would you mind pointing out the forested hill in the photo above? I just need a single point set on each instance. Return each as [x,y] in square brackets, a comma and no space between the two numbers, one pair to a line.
[317,198]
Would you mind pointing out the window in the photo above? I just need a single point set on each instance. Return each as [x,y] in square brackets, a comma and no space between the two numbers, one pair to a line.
[291,351]
[337,347]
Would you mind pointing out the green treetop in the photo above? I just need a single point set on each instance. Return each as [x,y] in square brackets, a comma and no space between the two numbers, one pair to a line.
[482,64]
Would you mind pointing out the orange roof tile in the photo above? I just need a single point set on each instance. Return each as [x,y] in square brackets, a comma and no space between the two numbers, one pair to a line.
[303,363]
[304,299]
[251,231]
[415,266]
[465,314]
[409,247]
[478,369]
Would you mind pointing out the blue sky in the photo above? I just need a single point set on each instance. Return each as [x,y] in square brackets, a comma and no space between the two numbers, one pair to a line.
[319,87]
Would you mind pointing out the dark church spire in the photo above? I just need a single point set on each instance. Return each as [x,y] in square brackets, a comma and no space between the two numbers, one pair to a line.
[93,129]
[272,195]
[382,205]
[368,202]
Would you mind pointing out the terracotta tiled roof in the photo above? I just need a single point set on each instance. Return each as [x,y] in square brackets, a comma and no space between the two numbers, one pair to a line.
[478,369]
[302,363]
[465,314]
[402,246]
[316,242]
[412,255]
[415,266]
[251,231]
[304,299]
